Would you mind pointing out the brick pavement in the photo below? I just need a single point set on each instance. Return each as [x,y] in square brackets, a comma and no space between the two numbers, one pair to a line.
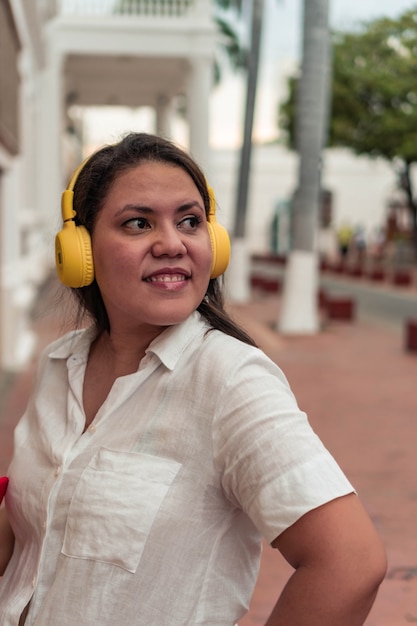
[359,387]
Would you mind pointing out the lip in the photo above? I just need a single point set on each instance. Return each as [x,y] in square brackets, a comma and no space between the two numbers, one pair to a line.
[168,280]
[168,272]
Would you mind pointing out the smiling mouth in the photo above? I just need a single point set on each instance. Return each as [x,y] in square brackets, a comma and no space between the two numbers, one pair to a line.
[167,278]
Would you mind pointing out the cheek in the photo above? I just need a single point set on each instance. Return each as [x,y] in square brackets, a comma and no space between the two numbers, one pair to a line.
[111,255]
[207,254]
[101,258]
[110,266]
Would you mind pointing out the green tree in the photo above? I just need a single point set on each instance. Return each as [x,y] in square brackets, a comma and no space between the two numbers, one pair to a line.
[373,96]
[228,18]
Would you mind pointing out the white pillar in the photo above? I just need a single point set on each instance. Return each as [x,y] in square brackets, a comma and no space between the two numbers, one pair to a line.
[22,264]
[49,142]
[163,110]
[27,134]
[299,302]
[198,95]
[16,295]
[10,200]
[32,219]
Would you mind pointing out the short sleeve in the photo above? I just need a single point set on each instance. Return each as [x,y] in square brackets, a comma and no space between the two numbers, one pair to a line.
[272,464]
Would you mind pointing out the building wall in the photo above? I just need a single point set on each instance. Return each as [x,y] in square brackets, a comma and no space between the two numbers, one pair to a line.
[360,187]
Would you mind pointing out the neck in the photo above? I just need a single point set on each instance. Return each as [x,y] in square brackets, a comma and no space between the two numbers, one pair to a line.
[123,350]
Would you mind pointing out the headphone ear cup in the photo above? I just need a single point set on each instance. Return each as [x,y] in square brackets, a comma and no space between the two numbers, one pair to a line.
[220,245]
[74,256]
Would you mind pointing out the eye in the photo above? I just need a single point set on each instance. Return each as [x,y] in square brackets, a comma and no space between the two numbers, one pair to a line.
[137,223]
[190,222]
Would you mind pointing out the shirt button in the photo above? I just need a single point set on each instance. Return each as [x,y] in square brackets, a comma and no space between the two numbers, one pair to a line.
[58,470]
[34,581]
[44,525]
[91,428]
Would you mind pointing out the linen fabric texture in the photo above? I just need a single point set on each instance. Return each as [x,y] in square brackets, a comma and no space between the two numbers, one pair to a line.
[155,514]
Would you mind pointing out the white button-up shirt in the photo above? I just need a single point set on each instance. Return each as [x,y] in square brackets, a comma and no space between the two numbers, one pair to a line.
[154,514]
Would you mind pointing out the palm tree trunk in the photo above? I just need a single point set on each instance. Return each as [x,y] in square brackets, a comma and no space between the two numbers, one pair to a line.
[299,302]
[238,273]
[245,158]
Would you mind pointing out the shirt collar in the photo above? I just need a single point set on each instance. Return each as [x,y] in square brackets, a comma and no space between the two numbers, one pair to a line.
[171,343]
[168,346]
[75,343]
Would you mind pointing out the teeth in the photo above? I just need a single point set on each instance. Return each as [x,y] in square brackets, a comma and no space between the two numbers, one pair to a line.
[167,278]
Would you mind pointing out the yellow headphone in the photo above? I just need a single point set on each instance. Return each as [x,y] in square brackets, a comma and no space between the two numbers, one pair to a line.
[74,256]
[219,239]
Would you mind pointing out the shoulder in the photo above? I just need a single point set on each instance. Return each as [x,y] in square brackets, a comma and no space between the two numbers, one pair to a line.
[72,342]
[64,342]
[226,353]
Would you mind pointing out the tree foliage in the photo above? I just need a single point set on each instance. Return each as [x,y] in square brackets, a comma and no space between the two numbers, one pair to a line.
[373,95]
[227,20]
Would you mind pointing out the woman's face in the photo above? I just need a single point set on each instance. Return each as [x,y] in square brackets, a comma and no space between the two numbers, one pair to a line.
[151,247]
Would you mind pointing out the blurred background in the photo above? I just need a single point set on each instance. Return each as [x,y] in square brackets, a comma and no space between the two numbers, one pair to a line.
[219,77]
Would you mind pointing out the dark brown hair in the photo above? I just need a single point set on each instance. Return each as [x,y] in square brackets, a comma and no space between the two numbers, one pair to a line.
[90,191]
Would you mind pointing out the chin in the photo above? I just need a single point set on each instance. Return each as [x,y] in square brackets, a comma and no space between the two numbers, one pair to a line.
[167,316]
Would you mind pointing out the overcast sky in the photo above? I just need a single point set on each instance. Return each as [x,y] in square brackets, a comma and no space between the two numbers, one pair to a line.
[282,30]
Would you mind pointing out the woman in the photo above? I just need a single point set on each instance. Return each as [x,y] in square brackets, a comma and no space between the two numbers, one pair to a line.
[160,444]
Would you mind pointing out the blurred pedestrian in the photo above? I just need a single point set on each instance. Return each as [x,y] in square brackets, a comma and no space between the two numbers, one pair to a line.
[344,239]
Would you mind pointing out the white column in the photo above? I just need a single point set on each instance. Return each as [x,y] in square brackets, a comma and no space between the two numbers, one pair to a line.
[22,252]
[163,110]
[10,205]
[32,221]
[16,295]
[299,313]
[49,141]
[198,94]
[27,132]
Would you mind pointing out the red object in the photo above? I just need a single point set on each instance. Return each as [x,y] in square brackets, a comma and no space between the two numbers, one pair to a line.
[411,335]
[340,307]
[402,278]
[4,481]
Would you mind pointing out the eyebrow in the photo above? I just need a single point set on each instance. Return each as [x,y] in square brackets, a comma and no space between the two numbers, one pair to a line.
[146,210]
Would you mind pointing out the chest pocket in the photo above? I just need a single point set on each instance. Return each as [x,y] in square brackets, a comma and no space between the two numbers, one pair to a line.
[114,506]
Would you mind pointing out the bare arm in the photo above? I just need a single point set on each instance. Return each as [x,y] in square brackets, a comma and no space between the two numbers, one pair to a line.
[6,540]
[339,564]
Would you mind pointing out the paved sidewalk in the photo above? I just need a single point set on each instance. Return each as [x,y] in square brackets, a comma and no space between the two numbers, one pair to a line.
[359,387]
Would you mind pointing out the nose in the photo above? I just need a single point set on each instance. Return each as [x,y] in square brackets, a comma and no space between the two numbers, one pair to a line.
[168,242]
